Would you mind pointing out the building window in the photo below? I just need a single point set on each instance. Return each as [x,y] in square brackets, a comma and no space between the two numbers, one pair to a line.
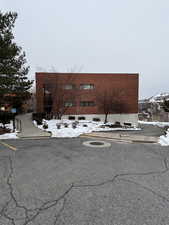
[71,118]
[70,104]
[96,119]
[81,118]
[69,86]
[86,86]
[87,103]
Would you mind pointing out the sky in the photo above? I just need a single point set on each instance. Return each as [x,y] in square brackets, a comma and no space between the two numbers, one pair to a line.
[109,36]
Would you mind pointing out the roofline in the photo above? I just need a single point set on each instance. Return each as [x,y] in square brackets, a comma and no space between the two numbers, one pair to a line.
[87,73]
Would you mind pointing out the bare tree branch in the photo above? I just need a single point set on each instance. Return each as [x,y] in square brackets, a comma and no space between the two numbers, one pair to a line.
[111,101]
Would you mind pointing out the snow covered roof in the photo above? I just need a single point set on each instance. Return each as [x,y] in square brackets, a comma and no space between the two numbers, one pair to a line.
[157,98]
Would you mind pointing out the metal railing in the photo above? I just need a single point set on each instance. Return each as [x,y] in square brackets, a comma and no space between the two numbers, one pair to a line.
[18,124]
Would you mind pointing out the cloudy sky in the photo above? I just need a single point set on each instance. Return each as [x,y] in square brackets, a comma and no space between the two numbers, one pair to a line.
[96,36]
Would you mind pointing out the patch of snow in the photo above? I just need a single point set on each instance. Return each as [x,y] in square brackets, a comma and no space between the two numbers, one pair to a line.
[80,129]
[12,135]
[8,136]
[164,139]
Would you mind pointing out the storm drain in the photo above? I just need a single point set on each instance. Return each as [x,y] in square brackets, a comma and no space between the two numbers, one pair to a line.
[96,144]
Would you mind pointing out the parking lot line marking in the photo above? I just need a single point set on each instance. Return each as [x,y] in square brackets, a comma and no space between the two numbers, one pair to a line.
[8,146]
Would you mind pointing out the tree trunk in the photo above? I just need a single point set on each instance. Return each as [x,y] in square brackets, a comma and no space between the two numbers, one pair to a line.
[58,116]
[105,120]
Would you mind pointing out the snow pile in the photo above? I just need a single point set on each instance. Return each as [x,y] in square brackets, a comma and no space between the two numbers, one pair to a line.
[164,140]
[8,136]
[82,127]
[11,135]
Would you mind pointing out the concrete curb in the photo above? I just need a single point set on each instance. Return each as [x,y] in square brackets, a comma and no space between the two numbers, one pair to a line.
[34,138]
[43,136]
[130,138]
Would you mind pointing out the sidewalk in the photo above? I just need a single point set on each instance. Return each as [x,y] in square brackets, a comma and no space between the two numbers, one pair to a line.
[124,137]
[28,130]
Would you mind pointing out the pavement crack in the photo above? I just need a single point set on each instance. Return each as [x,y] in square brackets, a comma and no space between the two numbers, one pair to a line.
[165,161]
[11,219]
[166,169]
[30,214]
[146,188]
[11,188]
[36,211]
[60,211]
[49,204]
[4,210]
[52,203]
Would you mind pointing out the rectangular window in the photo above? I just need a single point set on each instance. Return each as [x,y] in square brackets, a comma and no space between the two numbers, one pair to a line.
[70,104]
[86,86]
[71,118]
[69,86]
[87,103]
[48,88]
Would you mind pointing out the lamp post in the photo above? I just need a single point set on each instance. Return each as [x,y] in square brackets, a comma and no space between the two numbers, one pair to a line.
[13,111]
[44,96]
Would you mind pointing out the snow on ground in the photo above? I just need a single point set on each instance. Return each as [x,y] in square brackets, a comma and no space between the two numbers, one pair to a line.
[164,139]
[11,135]
[80,129]
[155,123]
[8,136]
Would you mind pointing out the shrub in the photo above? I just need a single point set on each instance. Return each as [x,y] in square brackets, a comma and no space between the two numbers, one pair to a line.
[4,130]
[58,126]
[6,117]
[45,126]
[71,118]
[81,118]
[38,117]
[96,119]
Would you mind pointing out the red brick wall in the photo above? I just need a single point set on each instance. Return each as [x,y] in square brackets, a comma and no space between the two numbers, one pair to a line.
[126,82]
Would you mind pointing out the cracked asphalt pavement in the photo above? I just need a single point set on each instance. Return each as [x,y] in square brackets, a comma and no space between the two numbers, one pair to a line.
[63,182]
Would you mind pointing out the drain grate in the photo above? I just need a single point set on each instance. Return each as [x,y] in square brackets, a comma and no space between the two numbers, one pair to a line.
[98,144]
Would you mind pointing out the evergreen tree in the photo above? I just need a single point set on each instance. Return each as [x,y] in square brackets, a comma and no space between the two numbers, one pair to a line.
[166,105]
[14,84]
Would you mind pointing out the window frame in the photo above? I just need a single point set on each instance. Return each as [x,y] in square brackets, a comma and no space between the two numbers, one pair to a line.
[87,103]
[69,86]
[69,104]
[86,86]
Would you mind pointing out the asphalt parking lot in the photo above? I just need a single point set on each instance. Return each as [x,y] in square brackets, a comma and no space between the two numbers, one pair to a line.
[63,182]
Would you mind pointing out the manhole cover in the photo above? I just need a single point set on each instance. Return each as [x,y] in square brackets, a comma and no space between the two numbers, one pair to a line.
[98,144]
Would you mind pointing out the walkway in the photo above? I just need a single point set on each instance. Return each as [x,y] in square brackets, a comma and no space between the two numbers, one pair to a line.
[28,130]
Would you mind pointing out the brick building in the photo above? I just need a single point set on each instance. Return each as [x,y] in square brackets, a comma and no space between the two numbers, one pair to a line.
[84,95]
